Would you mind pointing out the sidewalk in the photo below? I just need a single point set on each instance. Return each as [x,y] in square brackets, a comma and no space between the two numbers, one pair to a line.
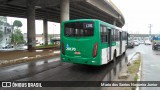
[19,56]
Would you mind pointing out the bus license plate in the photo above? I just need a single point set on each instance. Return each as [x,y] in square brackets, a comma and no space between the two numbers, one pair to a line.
[77,53]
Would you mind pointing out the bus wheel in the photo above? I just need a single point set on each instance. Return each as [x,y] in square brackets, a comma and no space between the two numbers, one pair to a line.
[114,60]
[153,48]
[114,56]
[125,50]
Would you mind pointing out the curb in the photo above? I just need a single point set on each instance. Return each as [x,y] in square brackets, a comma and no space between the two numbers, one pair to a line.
[129,59]
[58,46]
[133,55]
[140,67]
[23,60]
[139,72]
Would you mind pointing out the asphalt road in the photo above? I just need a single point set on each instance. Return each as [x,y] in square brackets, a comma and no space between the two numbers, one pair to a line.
[151,65]
[51,70]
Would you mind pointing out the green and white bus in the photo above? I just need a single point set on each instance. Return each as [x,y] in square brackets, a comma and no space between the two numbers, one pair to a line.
[91,42]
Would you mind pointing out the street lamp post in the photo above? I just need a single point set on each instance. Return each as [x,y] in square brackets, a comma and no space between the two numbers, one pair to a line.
[150,28]
[54,27]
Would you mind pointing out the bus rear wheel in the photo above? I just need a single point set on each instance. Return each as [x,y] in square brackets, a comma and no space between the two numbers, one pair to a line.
[125,50]
[153,48]
[114,56]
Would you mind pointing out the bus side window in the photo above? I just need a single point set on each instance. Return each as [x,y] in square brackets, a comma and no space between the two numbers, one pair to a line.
[118,38]
[123,35]
[103,33]
[106,34]
[116,35]
[109,36]
[113,34]
[126,35]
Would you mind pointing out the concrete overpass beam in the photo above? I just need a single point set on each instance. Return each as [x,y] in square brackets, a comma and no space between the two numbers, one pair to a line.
[31,24]
[103,6]
[45,31]
[64,10]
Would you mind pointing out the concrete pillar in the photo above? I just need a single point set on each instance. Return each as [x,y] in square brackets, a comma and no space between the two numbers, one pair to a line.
[114,22]
[64,10]
[31,24]
[45,31]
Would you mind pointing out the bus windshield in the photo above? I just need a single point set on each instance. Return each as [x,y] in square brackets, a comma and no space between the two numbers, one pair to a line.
[79,29]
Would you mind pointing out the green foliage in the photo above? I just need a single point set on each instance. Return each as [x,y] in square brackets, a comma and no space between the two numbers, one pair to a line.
[17,24]
[17,37]
[136,78]
[133,88]
[50,36]
[1,34]
[1,22]
[47,46]
[135,67]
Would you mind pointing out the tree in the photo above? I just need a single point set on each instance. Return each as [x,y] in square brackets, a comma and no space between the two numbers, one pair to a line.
[17,24]
[17,37]
[1,34]
[51,38]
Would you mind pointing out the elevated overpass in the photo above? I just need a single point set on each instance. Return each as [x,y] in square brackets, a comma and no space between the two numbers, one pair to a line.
[58,11]
[142,35]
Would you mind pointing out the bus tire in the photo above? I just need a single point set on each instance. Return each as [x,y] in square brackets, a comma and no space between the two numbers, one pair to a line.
[125,51]
[114,55]
[153,48]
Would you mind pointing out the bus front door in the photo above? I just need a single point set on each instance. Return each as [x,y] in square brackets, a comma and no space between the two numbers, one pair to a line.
[120,48]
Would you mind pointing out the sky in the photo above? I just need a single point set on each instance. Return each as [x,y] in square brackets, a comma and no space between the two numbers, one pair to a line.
[138,15]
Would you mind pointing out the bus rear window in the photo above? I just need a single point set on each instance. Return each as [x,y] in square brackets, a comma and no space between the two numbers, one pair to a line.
[79,29]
